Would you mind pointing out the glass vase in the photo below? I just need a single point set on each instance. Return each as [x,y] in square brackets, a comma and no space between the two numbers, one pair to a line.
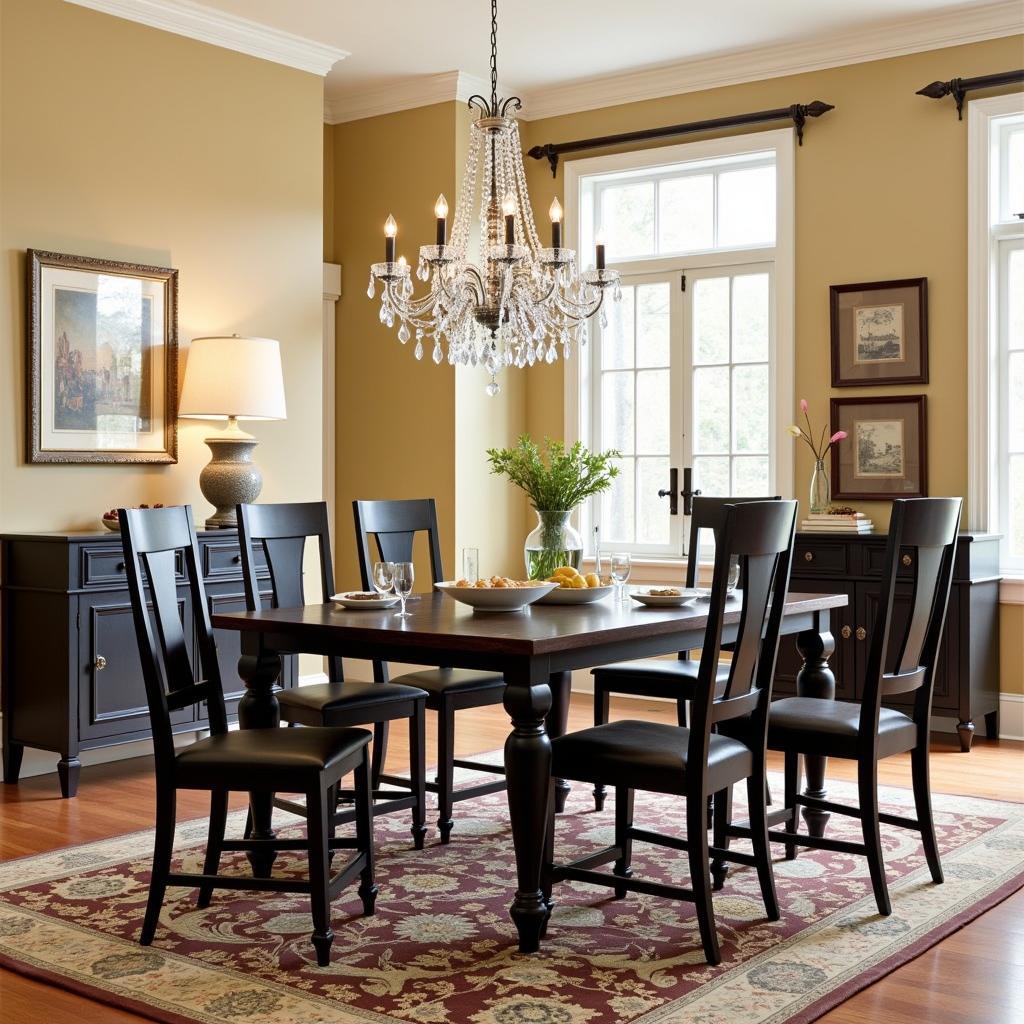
[552,543]
[820,498]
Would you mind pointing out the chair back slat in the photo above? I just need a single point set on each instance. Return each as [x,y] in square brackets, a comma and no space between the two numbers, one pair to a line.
[393,526]
[925,531]
[709,514]
[284,560]
[151,540]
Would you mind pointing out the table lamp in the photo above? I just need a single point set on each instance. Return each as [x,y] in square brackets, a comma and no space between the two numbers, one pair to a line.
[234,379]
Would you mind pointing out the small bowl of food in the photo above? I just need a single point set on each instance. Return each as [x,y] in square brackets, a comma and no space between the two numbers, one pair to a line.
[496,593]
[364,600]
[112,521]
[665,597]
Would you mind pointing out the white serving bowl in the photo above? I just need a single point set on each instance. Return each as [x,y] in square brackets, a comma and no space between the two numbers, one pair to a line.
[496,599]
[585,595]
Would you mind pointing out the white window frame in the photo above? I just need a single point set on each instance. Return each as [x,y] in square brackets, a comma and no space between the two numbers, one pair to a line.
[985,233]
[782,369]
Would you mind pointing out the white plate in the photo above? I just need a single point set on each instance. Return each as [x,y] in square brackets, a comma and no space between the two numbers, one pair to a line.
[585,595]
[346,601]
[496,599]
[686,595]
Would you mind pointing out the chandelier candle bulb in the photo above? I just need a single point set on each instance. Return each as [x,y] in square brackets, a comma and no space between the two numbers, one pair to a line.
[390,230]
[555,213]
[508,208]
[599,239]
[441,213]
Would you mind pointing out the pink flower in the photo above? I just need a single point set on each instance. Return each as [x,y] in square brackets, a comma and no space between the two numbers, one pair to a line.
[839,435]
[803,405]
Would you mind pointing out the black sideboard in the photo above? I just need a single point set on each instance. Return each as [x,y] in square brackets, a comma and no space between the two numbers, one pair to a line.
[967,676]
[71,676]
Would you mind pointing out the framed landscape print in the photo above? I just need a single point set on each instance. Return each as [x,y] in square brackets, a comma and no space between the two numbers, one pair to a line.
[879,332]
[102,360]
[885,453]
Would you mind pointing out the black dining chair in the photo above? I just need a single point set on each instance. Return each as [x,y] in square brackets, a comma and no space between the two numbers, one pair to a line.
[160,546]
[281,532]
[665,677]
[393,526]
[901,661]
[698,760]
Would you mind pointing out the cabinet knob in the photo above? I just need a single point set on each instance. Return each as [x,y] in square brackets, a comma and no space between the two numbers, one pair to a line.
[236,559]
[120,567]
[845,632]
[808,556]
[907,560]
[861,632]
[100,663]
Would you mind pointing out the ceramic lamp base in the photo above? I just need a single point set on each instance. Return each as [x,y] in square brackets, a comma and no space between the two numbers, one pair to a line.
[229,478]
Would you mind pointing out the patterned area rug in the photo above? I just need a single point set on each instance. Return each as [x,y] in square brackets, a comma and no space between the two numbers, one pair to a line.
[441,947]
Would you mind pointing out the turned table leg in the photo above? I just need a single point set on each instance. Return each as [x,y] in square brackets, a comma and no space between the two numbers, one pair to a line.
[557,723]
[258,709]
[527,771]
[815,679]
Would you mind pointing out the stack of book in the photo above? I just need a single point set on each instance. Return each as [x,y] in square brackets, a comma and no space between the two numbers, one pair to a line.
[843,522]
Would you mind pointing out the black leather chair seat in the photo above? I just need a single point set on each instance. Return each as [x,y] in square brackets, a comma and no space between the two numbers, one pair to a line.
[350,695]
[656,677]
[809,725]
[453,680]
[270,755]
[645,755]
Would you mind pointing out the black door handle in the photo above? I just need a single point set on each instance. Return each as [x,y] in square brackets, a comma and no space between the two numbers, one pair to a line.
[688,492]
[672,493]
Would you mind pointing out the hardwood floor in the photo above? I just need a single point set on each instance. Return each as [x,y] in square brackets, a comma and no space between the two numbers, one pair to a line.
[976,976]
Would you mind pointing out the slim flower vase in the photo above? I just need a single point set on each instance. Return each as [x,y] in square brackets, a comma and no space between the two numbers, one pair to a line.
[820,498]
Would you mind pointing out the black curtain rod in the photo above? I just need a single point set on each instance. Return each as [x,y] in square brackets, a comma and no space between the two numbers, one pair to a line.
[958,88]
[797,113]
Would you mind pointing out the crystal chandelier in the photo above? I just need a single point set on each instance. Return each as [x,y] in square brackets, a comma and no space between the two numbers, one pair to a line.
[519,302]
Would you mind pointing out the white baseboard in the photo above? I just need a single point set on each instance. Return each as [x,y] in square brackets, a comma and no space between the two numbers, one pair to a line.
[1011,716]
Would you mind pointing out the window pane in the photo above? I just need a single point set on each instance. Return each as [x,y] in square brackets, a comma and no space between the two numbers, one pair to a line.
[652,400]
[627,219]
[750,306]
[1015,298]
[750,406]
[711,320]
[652,522]
[1015,173]
[746,206]
[1015,527]
[652,340]
[617,515]
[686,213]
[617,412]
[711,410]
[711,476]
[617,337]
[1015,402]
[750,476]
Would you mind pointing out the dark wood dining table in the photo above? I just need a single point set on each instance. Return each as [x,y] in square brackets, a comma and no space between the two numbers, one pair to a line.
[536,649]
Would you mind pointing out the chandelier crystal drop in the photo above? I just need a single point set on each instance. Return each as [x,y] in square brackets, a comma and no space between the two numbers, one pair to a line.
[519,302]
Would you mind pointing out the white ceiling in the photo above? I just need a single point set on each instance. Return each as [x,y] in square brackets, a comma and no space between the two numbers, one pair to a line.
[547,46]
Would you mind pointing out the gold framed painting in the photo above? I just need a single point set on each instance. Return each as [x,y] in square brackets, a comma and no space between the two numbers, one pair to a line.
[102,360]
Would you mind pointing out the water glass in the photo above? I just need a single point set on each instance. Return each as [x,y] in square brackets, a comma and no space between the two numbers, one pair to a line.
[470,564]
[383,577]
[620,566]
[404,575]
[734,574]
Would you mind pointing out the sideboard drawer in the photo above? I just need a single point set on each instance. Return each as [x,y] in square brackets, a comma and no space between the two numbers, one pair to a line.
[874,561]
[223,559]
[820,558]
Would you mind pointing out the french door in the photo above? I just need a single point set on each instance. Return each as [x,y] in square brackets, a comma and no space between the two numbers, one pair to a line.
[680,383]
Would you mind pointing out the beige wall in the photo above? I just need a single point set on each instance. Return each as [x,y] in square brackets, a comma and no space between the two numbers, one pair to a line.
[124,142]
[1011,648]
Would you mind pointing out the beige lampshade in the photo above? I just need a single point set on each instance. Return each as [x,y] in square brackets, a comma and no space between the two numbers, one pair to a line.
[233,376]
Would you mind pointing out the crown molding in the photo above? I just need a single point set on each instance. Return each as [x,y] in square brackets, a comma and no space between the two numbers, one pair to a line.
[952,27]
[407,94]
[196,21]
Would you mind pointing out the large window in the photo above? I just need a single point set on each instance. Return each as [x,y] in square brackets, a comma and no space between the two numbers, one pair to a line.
[689,376]
[996,180]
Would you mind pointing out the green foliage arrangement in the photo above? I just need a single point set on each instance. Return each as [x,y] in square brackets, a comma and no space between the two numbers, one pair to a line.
[555,479]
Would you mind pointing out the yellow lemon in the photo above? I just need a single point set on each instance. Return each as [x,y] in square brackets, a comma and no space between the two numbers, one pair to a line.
[593,580]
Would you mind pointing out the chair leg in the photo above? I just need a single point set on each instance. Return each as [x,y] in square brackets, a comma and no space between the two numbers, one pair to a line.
[364,833]
[418,773]
[214,842]
[682,714]
[318,817]
[445,770]
[162,845]
[548,860]
[756,790]
[923,804]
[623,823]
[700,875]
[867,784]
[722,817]
[380,751]
[601,713]
[791,785]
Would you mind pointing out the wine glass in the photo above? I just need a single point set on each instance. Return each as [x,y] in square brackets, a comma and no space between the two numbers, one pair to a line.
[404,575]
[620,566]
[734,574]
[470,565]
[383,577]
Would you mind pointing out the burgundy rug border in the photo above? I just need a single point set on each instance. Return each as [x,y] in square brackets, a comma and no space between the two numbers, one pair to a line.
[895,961]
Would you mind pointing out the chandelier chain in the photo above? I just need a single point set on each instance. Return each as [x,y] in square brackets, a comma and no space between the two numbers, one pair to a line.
[494,57]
